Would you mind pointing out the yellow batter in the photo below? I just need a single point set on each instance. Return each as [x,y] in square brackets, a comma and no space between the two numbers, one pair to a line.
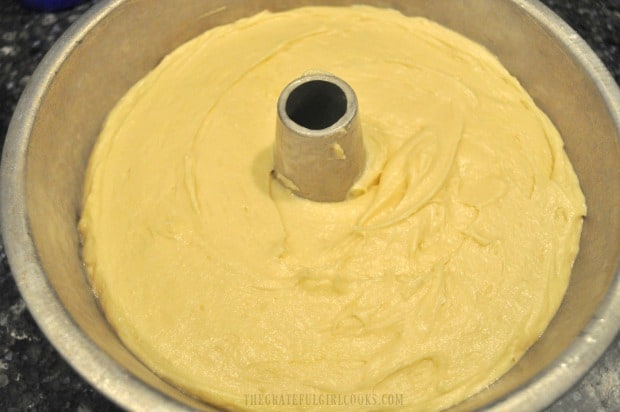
[447,263]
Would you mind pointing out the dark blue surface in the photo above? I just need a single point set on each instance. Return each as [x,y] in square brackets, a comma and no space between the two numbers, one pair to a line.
[51,5]
[33,377]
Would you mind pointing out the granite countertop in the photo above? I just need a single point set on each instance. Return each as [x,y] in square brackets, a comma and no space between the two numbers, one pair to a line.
[33,377]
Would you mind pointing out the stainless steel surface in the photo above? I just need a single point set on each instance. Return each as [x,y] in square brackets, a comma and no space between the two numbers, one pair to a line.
[318,151]
[117,42]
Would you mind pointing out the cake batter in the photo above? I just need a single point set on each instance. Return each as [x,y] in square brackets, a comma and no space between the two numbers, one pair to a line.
[445,264]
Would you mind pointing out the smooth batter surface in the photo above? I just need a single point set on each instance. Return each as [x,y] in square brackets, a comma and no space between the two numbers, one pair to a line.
[448,262]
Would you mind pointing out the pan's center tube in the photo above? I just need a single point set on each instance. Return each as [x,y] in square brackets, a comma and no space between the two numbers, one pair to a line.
[319,152]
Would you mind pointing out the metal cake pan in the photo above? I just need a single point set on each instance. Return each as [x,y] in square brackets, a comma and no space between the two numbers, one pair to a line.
[117,42]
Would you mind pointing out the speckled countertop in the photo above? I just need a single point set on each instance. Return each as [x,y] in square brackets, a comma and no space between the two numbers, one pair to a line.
[33,377]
